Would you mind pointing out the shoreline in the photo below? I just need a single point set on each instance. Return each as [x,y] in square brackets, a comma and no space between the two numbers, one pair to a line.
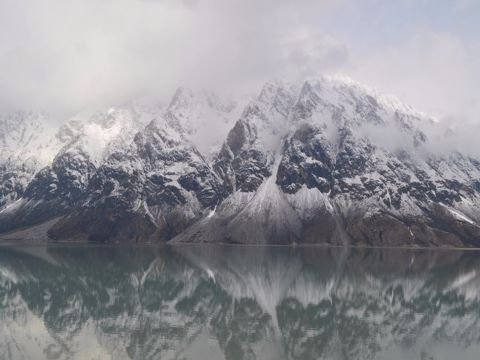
[22,243]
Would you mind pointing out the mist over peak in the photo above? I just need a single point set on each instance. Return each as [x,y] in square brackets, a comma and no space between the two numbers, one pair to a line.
[66,56]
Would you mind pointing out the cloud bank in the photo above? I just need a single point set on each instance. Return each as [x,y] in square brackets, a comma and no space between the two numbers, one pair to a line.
[65,55]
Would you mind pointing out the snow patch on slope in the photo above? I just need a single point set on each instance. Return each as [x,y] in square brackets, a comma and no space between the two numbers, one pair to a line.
[269,210]
[306,202]
[459,216]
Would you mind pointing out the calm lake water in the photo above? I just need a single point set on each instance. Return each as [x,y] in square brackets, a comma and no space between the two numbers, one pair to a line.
[214,302]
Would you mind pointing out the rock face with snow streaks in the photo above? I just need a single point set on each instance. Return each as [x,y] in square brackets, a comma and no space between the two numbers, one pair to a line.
[323,161]
[69,158]
[159,185]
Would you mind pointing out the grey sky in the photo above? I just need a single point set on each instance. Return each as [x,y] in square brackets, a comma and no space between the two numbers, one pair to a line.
[69,55]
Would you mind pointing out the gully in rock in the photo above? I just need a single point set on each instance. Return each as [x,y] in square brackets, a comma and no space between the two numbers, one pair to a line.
[302,163]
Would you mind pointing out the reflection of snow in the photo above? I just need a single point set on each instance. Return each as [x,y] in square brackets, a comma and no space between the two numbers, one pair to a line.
[463,279]
[8,275]
[211,275]
[296,297]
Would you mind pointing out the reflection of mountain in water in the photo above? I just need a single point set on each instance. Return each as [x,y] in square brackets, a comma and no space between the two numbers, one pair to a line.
[237,303]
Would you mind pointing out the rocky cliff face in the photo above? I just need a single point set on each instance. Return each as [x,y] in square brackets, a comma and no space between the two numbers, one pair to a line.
[160,184]
[27,144]
[63,162]
[324,161]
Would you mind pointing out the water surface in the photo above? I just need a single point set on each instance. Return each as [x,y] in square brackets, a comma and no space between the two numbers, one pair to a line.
[214,302]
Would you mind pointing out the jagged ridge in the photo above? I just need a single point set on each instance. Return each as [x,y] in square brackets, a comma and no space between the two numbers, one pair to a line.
[316,162]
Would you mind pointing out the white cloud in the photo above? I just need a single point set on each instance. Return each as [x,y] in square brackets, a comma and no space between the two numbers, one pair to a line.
[74,54]
[69,55]
[436,73]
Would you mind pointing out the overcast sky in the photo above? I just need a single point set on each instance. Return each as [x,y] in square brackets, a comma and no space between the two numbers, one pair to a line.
[65,55]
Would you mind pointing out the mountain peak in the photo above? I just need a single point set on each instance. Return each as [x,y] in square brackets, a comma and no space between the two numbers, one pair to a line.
[323,161]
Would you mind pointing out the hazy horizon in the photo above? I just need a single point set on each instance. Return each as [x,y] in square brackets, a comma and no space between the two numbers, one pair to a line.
[65,56]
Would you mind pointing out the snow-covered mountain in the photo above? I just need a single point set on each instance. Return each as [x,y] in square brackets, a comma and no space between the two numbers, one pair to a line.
[27,144]
[322,161]
[60,162]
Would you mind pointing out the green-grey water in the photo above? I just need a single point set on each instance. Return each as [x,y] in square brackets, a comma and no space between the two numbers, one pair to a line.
[215,302]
